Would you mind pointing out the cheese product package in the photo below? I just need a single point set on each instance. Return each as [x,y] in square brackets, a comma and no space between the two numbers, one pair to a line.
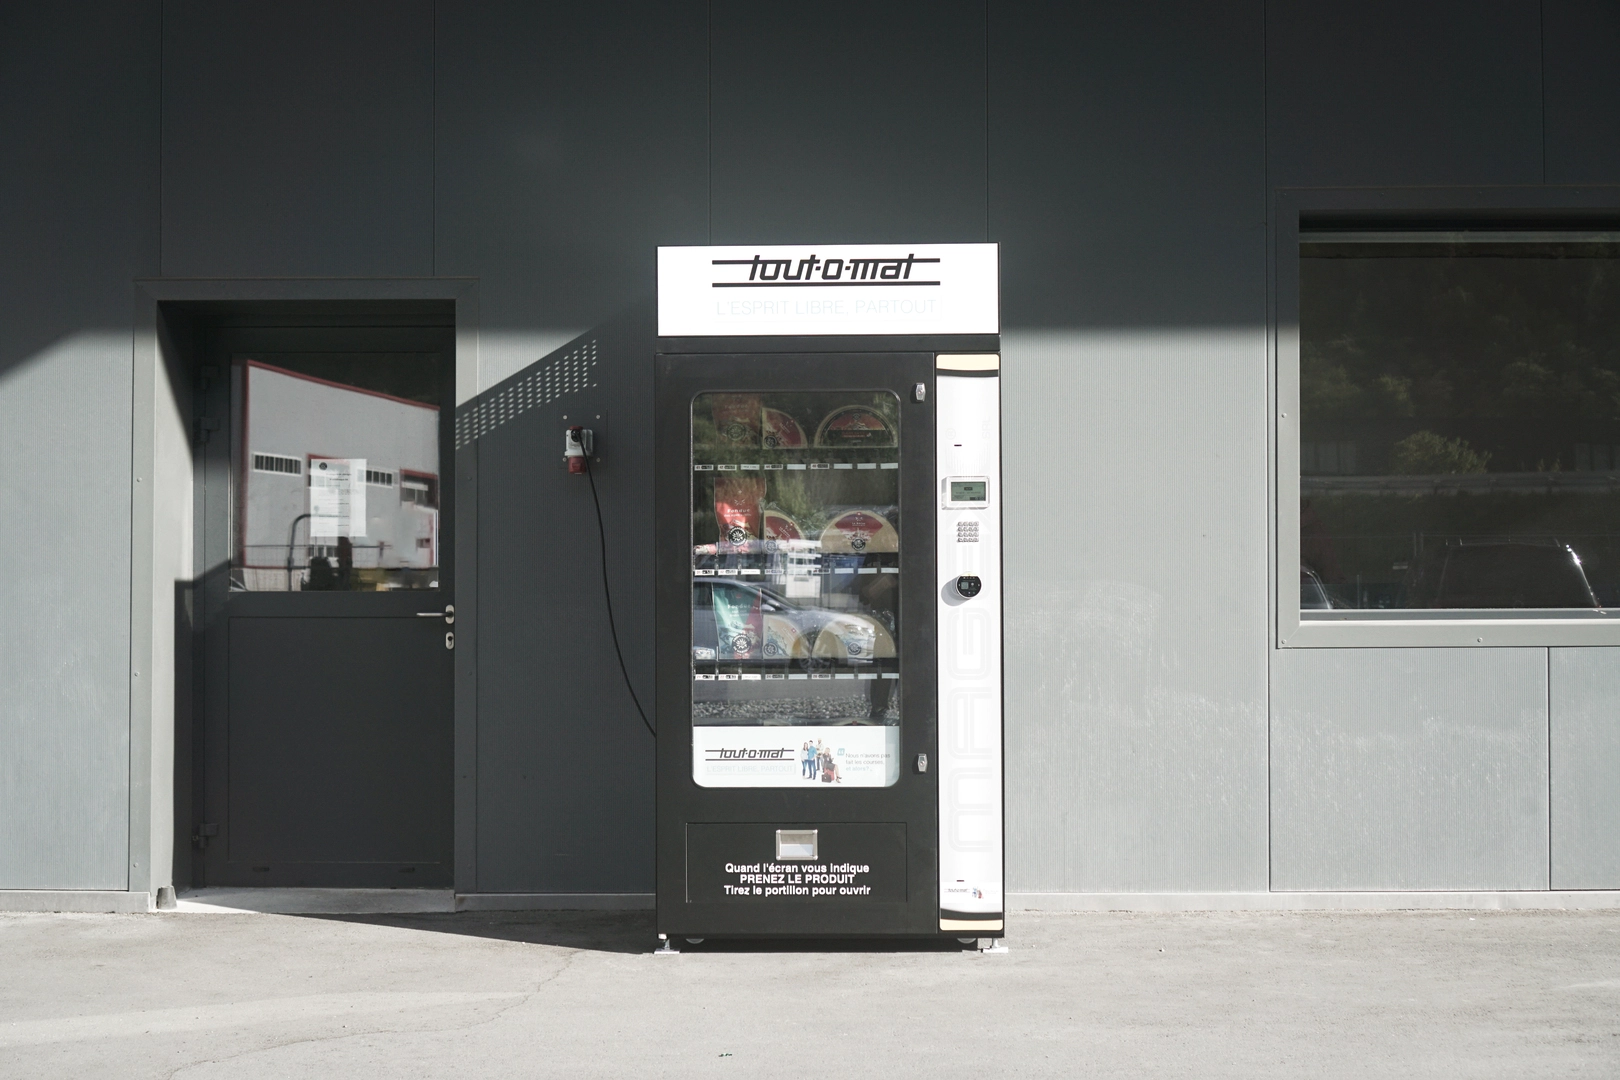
[860,532]
[783,641]
[854,426]
[737,507]
[781,431]
[736,419]
[854,638]
[738,623]
[779,529]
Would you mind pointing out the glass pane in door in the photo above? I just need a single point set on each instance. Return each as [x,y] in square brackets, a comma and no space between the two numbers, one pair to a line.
[336,472]
[795,589]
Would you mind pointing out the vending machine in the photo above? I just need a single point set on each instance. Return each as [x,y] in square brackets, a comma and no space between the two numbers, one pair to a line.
[829,591]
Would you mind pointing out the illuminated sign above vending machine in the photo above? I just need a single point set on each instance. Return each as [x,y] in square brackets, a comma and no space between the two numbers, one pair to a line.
[829,289]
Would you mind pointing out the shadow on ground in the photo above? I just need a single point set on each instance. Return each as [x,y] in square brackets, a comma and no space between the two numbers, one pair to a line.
[624,932]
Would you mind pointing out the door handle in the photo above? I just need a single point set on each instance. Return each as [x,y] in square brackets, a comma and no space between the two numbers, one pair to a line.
[448,614]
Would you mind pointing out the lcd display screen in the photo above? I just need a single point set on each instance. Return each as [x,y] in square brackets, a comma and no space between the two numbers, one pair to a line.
[967,491]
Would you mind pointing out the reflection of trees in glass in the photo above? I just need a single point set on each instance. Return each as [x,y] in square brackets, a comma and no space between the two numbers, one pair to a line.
[1467,361]
[811,499]
[1510,347]
[1424,453]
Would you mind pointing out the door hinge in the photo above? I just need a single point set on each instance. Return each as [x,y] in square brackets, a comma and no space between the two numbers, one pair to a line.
[204,831]
[206,425]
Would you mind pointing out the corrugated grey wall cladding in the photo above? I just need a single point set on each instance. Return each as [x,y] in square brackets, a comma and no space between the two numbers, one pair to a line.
[1136,610]
[1409,769]
[572,141]
[298,139]
[847,122]
[1128,195]
[1582,90]
[79,110]
[1127,174]
[1124,156]
[1585,731]
[1385,92]
[565,767]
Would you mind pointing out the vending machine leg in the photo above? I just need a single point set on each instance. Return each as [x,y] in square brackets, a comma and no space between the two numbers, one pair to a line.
[992,945]
[667,948]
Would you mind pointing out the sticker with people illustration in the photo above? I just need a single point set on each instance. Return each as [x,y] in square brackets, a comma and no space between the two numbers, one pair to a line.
[787,756]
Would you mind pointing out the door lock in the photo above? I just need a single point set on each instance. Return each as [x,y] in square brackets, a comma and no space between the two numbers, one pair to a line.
[448,614]
[968,586]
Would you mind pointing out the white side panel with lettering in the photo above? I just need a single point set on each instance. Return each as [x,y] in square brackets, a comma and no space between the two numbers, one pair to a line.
[970,662]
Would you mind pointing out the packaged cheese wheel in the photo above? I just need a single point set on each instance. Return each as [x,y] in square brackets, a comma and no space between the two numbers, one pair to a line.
[782,432]
[850,637]
[736,419]
[779,529]
[858,532]
[855,426]
[783,641]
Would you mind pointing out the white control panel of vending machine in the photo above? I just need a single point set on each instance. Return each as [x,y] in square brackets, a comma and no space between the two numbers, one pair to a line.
[968,418]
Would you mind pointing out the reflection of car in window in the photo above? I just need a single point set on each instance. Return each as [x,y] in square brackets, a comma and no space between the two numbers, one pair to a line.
[1499,574]
[1313,595]
[790,634]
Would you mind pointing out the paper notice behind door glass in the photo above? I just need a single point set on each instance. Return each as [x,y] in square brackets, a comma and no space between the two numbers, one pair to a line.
[337,497]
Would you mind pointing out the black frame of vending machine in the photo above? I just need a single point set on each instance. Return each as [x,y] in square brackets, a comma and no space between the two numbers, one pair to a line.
[892,830]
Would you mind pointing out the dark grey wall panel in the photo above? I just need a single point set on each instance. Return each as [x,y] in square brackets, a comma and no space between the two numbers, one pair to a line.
[848,122]
[1127,171]
[572,142]
[1584,728]
[78,210]
[565,766]
[1127,190]
[1583,91]
[298,138]
[1409,769]
[1385,92]
[78,178]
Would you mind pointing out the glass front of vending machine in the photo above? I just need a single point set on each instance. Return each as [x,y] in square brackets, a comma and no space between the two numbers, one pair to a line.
[828,572]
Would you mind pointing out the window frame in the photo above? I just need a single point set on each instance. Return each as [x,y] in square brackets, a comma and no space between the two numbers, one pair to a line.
[1402,209]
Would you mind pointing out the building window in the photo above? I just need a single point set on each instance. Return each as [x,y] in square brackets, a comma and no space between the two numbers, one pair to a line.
[379,478]
[1459,420]
[419,489]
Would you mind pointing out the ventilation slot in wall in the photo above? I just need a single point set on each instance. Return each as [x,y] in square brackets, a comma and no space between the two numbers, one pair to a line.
[566,375]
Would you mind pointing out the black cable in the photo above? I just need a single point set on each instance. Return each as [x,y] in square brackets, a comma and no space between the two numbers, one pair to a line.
[607,595]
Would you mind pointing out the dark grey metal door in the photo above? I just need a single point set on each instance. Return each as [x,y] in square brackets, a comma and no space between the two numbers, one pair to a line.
[327,607]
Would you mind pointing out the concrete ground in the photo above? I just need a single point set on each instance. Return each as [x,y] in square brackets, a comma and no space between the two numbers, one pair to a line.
[1443,994]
